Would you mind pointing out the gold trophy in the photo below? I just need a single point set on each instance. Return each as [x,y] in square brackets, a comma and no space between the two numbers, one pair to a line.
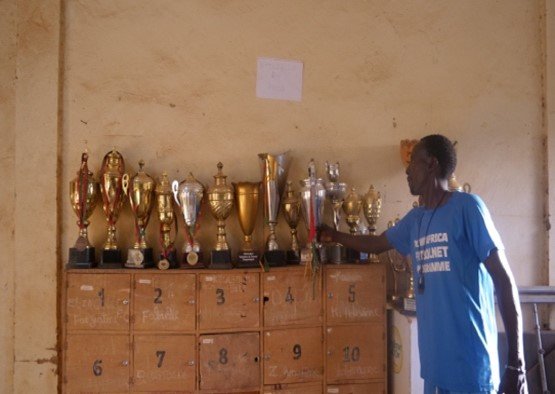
[247,195]
[335,192]
[401,265]
[164,199]
[292,213]
[83,194]
[351,207]
[371,206]
[220,199]
[406,147]
[141,193]
[113,181]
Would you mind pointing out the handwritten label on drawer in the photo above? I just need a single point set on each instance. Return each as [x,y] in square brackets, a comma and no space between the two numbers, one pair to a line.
[86,288]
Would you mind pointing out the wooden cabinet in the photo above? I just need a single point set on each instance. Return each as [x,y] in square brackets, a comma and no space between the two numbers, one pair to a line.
[216,331]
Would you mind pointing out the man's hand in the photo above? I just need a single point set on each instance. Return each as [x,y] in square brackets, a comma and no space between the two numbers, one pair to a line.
[325,233]
[513,382]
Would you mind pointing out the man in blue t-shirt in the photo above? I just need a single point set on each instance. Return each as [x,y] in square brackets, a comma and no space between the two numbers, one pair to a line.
[458,261]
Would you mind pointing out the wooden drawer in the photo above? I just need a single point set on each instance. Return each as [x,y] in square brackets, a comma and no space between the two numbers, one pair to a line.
[97,363]
[98,302]
[293,355]
[299,388]
[164,363]
[229,300]
[290,297]
[355,352]
[364,388]
[230,361]
[355,294]
[164,302]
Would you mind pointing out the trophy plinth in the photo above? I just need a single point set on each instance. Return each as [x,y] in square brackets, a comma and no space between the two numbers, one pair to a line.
[111,259]
[192,260]
[168,260]
[335,193]
[336,253]
[81,258]
[140,258]
[275,258]
[248,259]
[220,260]
[292,213]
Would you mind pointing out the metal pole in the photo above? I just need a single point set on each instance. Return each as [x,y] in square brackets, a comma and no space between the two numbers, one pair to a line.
[541,352]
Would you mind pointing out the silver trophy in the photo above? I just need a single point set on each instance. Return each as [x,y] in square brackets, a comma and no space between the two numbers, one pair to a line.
[274,173]
[188,195]
[335,192]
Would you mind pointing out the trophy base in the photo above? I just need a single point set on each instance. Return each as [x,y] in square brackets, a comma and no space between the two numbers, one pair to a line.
[81,258]
[336,254]
[139,258]
[275,258]
[111,258]
[248,260]
[220,260]
[405,305]
[352,256]
[169,261]
[293,257]
[192,260]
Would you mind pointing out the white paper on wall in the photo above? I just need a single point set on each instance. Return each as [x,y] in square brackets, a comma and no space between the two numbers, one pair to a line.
[279,79]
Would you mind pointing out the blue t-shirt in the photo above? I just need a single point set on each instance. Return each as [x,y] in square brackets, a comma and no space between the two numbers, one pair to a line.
[457,332]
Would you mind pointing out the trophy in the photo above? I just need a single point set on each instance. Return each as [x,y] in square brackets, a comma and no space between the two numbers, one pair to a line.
[313,195]
[401,264]
[292,213]
[164,200]
[274,172]
[351,206]
[141,193]
[188,196]
[246,198]
[83,194]
[335,192]
[113,183]
[220,198]
[371,206]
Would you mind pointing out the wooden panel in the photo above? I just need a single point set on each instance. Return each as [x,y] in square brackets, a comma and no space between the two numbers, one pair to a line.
[229,300]
[290,297]
[164,302]
[365,388]
[230,361]
[356,352]
[97,363]
[299,388]
[293,356]
[164,363]
[99,302]
[355,294]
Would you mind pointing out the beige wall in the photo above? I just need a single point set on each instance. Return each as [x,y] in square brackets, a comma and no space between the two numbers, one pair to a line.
[173,82]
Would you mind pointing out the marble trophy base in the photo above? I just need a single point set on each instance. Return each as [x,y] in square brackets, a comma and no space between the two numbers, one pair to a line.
[139,258]
[337,254]
[293,257]
[169,261]
[248,259]
[111,258]
[192,260]
[275,258]
[81,258]
[220,260]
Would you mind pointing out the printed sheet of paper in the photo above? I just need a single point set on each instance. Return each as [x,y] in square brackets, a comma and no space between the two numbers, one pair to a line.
[279,79]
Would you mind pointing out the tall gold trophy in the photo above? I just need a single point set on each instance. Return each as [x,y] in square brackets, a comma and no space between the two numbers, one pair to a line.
[113,181]
[351,207]
[141,195]
[83,194]
[292,213]
[371,206]
[166,217]
[220,199]
[247,195]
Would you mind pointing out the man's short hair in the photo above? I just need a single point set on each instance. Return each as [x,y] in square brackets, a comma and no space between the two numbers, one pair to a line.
[443,150]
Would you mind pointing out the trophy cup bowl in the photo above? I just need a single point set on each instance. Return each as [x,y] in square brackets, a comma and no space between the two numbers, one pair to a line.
[188,196]
[351,207]
[371,206]
[247,196]
[83,195]
[220,199]
[292,214]
[166,217]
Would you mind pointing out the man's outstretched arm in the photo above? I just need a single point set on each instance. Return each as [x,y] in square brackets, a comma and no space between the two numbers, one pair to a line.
[363,243]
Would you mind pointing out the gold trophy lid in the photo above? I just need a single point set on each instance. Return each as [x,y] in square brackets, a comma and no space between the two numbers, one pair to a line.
[220,178]
[164,186]
[141,176]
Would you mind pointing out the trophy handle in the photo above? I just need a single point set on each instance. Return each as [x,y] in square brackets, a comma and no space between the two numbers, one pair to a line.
[125,183]
[175,187]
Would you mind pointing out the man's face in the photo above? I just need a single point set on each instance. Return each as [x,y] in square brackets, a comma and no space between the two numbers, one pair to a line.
[419,170]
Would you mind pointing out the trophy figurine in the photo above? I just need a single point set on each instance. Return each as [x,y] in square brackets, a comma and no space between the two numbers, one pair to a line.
[164,200]
[113,182]
[141,193]
[292,213]
[220,198]
[401,265]
[351,207]
[188,195]
[247,195]
[274,172]
[83,194]
[371,206]
[335,192]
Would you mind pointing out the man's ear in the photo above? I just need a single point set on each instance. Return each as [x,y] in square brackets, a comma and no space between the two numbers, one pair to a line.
[433,164]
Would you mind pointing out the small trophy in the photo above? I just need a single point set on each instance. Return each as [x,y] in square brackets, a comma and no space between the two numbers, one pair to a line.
[141,193]
[292,213]
[371,206]
[274,172]
[164,200]
[247,195]
[188,196]
[335,192]
[400,265]
[83,194]
[113,183]
[351,206]
[220,198]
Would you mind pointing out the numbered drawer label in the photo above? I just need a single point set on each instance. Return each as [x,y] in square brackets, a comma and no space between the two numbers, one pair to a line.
[164,362]
[293,355]
[365,388]
[98,301]
[229,300]
[355,352]
[355,294]
[294,388]
[164,302]
[291,297]
[230,361]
